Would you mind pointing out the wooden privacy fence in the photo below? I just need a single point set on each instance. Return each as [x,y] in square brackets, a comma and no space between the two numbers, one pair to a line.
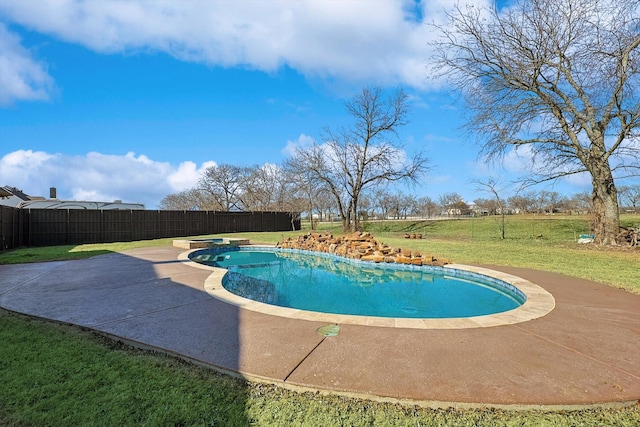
[10,228]
[48,227]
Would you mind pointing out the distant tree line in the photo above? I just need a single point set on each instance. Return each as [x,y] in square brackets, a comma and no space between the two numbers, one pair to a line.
[227,187]
[272,187]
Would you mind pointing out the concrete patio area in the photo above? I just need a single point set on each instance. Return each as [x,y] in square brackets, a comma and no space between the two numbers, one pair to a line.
[585,351]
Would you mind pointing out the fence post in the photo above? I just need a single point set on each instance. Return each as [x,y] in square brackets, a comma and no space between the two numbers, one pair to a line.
[30,228]
[21,214]
[2,237]
[67,239]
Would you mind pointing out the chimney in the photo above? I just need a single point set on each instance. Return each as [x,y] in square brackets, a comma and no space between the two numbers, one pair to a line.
[52,193]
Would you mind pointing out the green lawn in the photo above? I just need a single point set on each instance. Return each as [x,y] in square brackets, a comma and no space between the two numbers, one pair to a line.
[60,375]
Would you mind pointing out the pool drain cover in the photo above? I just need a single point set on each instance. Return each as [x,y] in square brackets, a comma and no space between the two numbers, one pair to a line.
[329,330]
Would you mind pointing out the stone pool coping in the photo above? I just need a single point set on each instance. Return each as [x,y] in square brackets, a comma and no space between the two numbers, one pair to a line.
[538,304]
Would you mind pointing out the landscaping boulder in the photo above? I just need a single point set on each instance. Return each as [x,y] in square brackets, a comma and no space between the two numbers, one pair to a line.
[362,246]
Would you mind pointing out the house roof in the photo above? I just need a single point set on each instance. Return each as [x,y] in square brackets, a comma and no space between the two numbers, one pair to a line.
[73,204]
[13,197]
[7,191]
[4,192]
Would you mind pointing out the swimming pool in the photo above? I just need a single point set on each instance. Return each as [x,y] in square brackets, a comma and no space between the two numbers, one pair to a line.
[325,283]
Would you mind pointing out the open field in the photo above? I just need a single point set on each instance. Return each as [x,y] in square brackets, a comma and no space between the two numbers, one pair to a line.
[62,375]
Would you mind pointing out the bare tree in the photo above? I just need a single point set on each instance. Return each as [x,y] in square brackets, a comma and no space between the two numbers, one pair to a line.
[488,206]
[264,188]
[365,206]
[187,200]
[229,187]
[557,77]
[427,206]
[579,203]
[354,159]
[306,187]
[406,205]
[630,195]
[453,204]
[492,185]
[555,201]
[522,203]
[223,183]
[324,204]
[393,205]
[383,202]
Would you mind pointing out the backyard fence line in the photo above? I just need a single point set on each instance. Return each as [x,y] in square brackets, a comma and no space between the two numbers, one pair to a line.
[49,227]
[10,228]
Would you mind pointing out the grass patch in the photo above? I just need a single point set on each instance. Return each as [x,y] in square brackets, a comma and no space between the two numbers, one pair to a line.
[46,253]
[53,374]
[59,375]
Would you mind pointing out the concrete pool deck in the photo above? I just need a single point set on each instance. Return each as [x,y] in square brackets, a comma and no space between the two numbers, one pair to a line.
[586,351]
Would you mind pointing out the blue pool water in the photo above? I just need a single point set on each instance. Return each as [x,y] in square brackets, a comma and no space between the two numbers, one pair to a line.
[317,282]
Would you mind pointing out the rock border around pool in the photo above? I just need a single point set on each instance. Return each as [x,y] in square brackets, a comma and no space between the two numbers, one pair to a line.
[362,246]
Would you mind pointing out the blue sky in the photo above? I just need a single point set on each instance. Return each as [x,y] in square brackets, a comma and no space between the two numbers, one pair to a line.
[131,100]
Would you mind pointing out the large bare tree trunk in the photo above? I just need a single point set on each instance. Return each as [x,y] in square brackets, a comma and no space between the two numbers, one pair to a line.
[346,223]
[605,207]
[347,220]
[355,219]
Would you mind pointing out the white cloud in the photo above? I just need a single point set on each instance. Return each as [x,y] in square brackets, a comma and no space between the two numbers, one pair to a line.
[98,177]
[21,77]
[432,138]
[187,175]
[435,180]
[519,160]
[355,40]
[303,141]
[580,180]
[18,160]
